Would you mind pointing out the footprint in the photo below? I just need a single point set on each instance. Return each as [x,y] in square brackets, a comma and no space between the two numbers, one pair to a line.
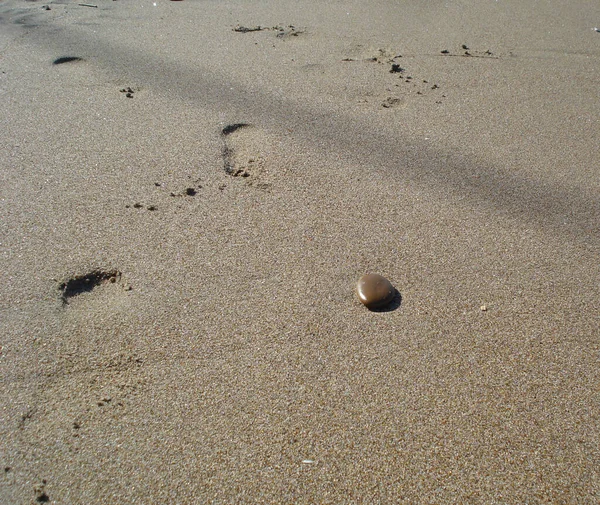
[91,281]
[248,29]
[281,31]
[248,153]
[361,53]
[191,189]
[408,85]
[284,32]
[392,102]
[66,59]
[467,52]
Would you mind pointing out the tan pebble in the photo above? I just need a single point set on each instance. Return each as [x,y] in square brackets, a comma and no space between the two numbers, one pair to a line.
[483,308]
[375,291]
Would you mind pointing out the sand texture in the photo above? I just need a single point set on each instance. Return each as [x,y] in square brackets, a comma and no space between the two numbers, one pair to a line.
[189,192]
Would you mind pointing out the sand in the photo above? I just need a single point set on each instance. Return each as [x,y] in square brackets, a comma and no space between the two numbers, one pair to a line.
[178,316]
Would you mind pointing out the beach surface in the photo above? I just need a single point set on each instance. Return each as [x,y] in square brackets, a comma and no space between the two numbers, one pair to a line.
[189,192]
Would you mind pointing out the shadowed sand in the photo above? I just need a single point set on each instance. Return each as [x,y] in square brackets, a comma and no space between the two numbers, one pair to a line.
[189,192]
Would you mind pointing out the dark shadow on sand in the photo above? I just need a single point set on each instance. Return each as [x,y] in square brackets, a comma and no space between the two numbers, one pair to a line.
[86,283]
[511,195]
[393,305]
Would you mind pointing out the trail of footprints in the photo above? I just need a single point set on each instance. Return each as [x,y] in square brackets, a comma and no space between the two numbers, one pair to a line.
[247,150]
[247,156]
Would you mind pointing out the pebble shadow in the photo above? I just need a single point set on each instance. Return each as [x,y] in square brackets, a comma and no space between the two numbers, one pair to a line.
[393,305]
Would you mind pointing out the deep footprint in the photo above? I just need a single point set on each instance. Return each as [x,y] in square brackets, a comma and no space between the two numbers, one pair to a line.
[229,129]
[66,59]
[87,282]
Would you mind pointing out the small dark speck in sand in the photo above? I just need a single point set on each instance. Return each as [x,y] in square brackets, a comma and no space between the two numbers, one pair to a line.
[43,498]
[190,191]
[7,469]
[445,51]
[396,69]
[66,59]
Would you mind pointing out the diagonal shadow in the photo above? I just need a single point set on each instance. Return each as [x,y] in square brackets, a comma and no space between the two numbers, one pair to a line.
[541,203]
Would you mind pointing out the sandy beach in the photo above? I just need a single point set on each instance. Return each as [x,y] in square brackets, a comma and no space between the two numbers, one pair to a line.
[189,192]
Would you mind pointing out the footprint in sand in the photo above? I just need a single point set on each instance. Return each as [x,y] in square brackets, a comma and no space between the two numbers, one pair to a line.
[66,59]
[97,286]
[248,153]
[402,87]
[282,31]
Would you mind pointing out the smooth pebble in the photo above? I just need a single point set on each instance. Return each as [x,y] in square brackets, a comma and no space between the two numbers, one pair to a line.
[375,291]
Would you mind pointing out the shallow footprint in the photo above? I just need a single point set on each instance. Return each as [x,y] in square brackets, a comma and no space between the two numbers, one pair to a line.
[248,153]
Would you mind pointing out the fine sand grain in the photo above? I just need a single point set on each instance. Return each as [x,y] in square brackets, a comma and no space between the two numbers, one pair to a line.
[189,192]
